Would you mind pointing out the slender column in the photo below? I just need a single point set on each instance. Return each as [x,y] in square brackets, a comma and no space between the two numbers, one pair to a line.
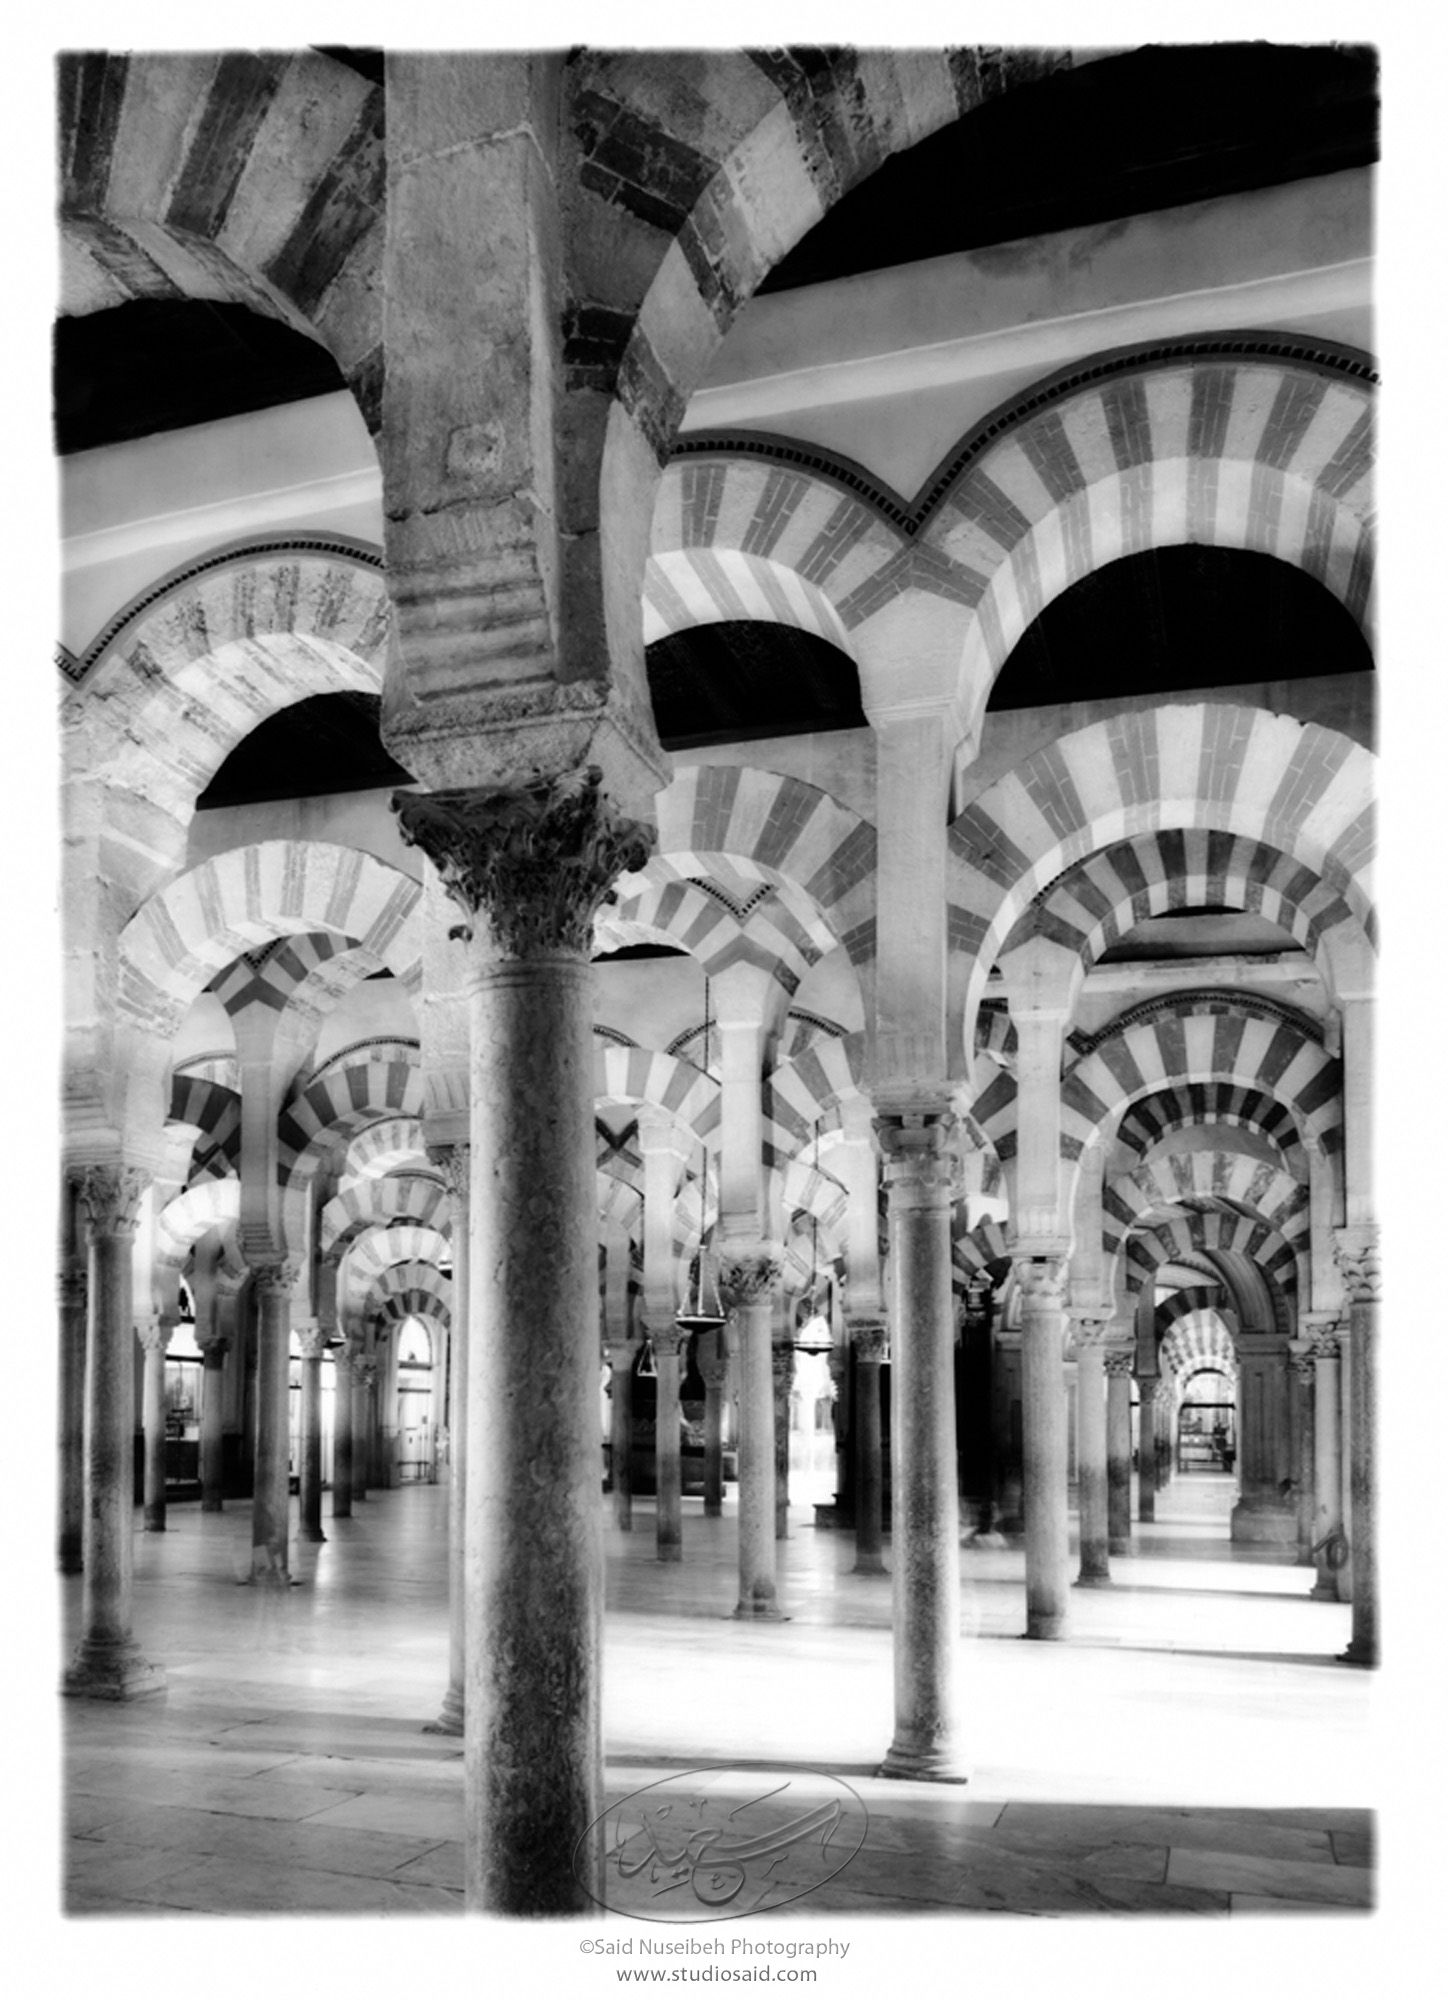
[1118,1365]
[529,869]
[781,1359]
[1146,1388]
[71,1418]
[456,1164]
[1043,1289]
[154,1333]
[668,1465]
[869,1338]
[271,1494]
[213,1364]
[361,1417]
[108,1663]
[713,1366]
[748,1274]
[1007,1428]
[343,1402]
[313,1343]
[621,1356]
[1263,1513]
[925,1513]
[1091,1473]
[1357,1255]
[1304,1369]
[1327,1447]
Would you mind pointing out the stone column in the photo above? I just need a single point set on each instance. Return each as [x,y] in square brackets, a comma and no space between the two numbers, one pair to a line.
[1304,1369]
[1043,1291]
[456,1164]
[925,1515]
[748,1274]
[870,1339]
[782,1364]
[108,1663]
[344,1393]
[668,1466]
[1357,1255]
[313,1343]
[1146,1389]
[154,1332]
[271,1505]
[1263,1513]
[71,1419]
[1007,1429]
[621,1356]
[361,1416]
[713,1367]
[530,868]
[1118,1365]
[1327,1447]
[1091,1469]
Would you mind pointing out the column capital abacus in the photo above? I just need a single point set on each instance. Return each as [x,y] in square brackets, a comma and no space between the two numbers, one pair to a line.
[1120,1361]
[111,1198]
[311,1340]
[1302,1357]
[1356,1251]
[534,863]
[668,1339]
[748,1273]
[212,1343]
[1042,1283]
[918,1147]
[870,1338]
[276,1275]
[153,1332]
[1090,1329]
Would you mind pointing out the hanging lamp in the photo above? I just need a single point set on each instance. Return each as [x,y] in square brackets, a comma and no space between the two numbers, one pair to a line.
[701,1311]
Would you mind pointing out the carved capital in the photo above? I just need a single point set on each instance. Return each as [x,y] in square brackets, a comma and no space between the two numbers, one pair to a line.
[311,1341]
[111,1198]
[871,1340]
[276,1278]
[1120,1361]
[668,1341]
[748,1272]
[153,1332]
[454,1163]
[535,863]
[1304,1362]
[1326,1343]
[1042,1282]
[213,1346]
[365,1372]
[1090,1330]
[918,1148]
[1356,1250]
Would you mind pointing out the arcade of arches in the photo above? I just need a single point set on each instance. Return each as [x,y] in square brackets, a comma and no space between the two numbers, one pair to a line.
[708,708]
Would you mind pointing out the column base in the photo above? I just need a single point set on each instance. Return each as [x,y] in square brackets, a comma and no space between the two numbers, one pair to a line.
[713,1509]
[1263,1524]
[311,1535]
[112,1673]
[984,1538]
[1045,1625]
[1325,1593]
[450,1716]
[1359,1654]
[669,1552]
[1119,1545]
[266,1576]
[933,1766]
[761,1614]
[869,1565]
[153,1524]
[1096,1579]
[211,1507]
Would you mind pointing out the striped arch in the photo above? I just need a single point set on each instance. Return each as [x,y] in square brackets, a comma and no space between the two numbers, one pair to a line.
[234,903]
[406,1289]
[1187,1300]
[216,1112]
[691,1217]
[188,1217]
[971,1250]
[648,1076]
[620,1205]
[1180,1107]
[1296,787]
[1095,903]
[1195,1340]
[380,1249]
[809,1190]
[254,178]
[1233,1180]
[807,1090]
[340,1100]
[387,1146]
[774,829]
[1170,1238]
[1155,448]
[777,928]
[388,1199]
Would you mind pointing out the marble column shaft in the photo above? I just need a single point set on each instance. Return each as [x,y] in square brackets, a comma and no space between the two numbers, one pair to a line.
[456,1164]
[1304,1467]
[925,1512]
[309,1485]
[869,1339]
[108,1663]
[1043,1396]
[271,1492]
[1327,1448]
[153,1334]
[213,1365]
[364,1373]
[1091,1475]
[70,1414]
[1146,1386]
[748,1274]
[620,1431]
[529,869]
[782,1363]
[1357,1255]
[668,1464]
[1118,1367]
[713,1367]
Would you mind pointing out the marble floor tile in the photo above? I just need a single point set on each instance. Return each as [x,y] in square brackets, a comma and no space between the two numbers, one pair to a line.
[384,1812]
[342,1850]
[1252,1874]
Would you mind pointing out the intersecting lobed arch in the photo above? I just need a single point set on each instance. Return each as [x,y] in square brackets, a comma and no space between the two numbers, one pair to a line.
[189,931]
[1147,1121]
[1249,1186]
[1297,787]
[1103,897]
[386,1199]
[288,221]
[1192,441]
[778,830]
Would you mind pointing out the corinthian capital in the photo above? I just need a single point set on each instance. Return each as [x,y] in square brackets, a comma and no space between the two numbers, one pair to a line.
[870,1338]
[918,1147]
[454,1163]
[535,863]
[1042,1281]
[278,1276]
[1090,1329]
[748,1272]
[1356,1250]
[1120,1360]
[111,1198]
[311,1341]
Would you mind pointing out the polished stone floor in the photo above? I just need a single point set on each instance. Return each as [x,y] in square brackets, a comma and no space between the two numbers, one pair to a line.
[1194,1746]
